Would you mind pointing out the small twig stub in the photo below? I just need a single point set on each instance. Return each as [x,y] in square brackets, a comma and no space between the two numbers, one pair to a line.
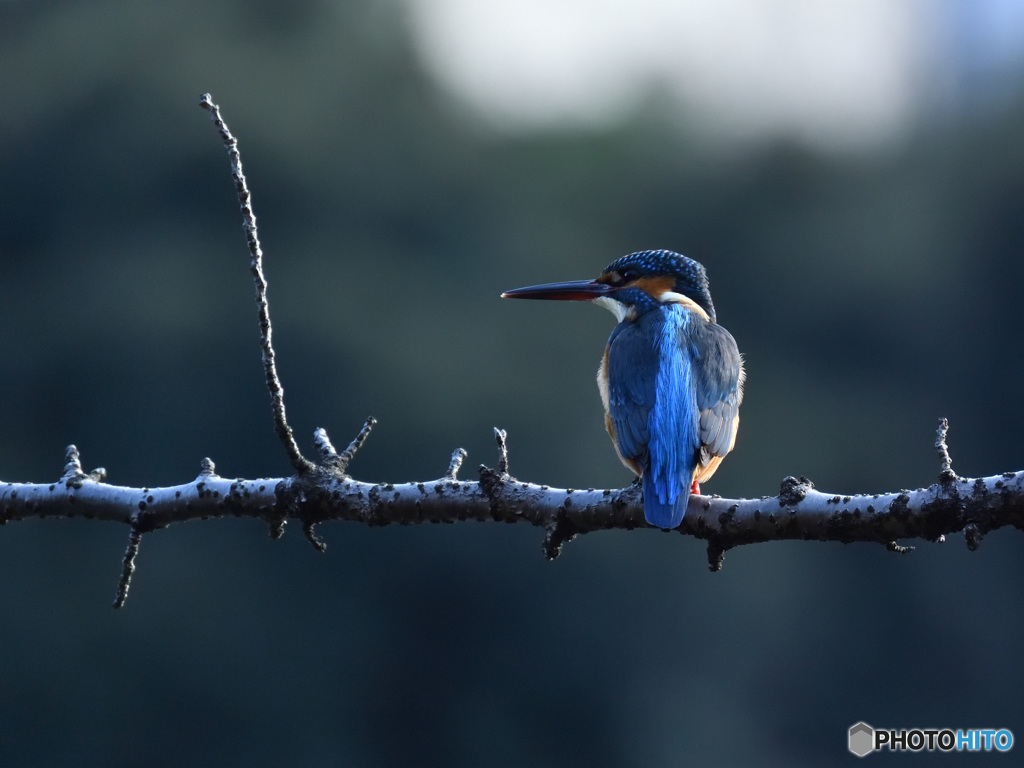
[946,473]
[128,566]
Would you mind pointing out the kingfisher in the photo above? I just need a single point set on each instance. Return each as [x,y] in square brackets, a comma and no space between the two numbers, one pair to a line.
[671,379]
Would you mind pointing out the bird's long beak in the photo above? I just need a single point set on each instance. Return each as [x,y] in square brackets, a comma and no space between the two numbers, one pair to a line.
[575,290]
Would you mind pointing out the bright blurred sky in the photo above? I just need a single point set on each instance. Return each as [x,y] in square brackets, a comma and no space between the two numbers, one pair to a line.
[839,74]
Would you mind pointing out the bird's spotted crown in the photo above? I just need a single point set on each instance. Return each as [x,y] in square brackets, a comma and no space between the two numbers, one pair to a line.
[690,278]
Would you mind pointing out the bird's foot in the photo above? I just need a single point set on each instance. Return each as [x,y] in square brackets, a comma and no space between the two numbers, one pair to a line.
[695,488]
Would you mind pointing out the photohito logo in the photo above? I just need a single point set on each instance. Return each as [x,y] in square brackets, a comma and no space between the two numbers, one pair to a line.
[864,739]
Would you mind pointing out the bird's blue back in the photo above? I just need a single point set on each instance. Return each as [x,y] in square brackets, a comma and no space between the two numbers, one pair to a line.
[673,396]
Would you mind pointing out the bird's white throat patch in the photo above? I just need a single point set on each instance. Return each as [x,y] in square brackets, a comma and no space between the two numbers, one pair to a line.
[617,308]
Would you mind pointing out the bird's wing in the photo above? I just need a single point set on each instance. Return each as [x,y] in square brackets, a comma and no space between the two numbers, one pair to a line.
[632,368]
[718,385]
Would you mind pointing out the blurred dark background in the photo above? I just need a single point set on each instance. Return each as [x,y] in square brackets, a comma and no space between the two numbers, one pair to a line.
[873,290]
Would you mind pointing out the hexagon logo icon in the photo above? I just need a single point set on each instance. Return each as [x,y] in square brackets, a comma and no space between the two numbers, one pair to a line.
[862,739]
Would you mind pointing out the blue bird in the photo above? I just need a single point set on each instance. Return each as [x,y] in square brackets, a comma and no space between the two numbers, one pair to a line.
[671,379]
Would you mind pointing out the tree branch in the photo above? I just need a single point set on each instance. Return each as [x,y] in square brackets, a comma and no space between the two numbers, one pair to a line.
[252,238]
[799,512]
[324,491]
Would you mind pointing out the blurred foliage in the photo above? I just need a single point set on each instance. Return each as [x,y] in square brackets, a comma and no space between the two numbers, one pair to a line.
[871,295]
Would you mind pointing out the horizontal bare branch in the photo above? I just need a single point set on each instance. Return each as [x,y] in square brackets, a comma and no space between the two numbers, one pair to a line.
[799,512]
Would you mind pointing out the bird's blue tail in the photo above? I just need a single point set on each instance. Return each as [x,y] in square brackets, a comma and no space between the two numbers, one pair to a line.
[663,514]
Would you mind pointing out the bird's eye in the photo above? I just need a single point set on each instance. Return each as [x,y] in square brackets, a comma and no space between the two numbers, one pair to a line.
[629,275]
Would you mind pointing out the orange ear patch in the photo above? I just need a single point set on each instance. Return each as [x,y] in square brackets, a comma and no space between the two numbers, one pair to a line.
[655,285]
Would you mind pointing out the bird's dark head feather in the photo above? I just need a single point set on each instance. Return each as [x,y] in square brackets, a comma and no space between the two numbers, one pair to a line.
[661,271]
